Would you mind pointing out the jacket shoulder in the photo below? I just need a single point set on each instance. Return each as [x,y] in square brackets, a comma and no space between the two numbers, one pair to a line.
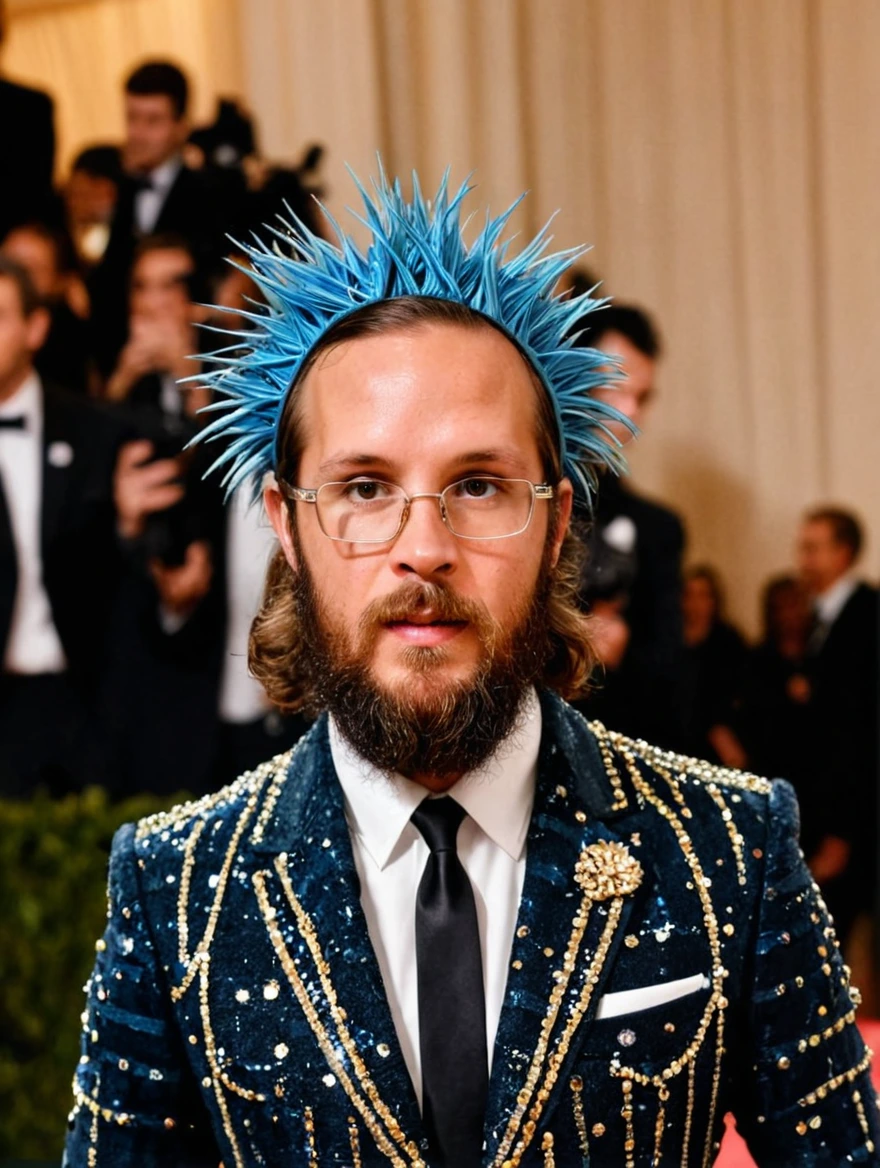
[251,791]
[660,764]
[705,804]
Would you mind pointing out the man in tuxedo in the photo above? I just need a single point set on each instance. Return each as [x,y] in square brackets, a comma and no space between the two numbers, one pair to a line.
[458,925]
[160,194]
[632,575]
[27,148]
[58,560]
[843,659]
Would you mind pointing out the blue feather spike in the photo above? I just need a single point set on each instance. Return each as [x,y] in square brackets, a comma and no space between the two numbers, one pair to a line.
[417,248]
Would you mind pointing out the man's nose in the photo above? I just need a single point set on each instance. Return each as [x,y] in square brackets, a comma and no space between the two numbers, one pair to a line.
[425,547]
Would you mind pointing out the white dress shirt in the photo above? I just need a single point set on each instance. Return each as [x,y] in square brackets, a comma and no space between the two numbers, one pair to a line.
[831,603]
[148,203]
[250,544]
[33,645]
[390,855]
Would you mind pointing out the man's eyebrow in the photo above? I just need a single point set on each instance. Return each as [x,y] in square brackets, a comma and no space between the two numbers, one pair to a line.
[503,454]
[348,459]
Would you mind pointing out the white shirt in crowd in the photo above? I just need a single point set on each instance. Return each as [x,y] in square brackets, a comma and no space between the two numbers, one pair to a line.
[250,544]
[148,203]
[390,856]
[831,603]
[34,645]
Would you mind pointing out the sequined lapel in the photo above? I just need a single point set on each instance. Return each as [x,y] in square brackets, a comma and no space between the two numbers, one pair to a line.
[309,897]
[577,897]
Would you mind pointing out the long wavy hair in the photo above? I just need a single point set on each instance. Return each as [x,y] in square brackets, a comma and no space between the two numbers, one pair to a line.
[277,655]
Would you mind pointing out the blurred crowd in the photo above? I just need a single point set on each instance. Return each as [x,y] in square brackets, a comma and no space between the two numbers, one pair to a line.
[127,588]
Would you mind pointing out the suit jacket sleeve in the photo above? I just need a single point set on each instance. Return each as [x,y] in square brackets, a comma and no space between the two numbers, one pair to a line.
[134,1101]
[803,1092]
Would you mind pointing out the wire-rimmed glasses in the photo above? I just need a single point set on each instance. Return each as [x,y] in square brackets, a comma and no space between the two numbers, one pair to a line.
[366,510]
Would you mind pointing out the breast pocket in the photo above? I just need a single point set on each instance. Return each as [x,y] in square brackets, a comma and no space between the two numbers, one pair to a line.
[649,1026]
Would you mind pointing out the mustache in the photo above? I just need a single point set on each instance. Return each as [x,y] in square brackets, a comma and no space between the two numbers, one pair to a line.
[412,598]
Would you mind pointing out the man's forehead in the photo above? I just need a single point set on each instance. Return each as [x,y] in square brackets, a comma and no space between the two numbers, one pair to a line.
[467,391]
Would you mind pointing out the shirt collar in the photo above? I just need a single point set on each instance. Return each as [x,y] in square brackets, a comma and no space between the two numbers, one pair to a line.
[25,401]
[162,178]
[498,796]
[832,601]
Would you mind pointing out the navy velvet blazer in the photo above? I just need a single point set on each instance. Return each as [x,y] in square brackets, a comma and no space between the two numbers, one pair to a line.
[672,962]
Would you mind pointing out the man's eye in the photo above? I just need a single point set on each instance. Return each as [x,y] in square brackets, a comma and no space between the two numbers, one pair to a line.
[365,491]
[477,488]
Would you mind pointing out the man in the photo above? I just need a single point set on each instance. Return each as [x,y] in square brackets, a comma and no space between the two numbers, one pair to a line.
[840,834]
[459,925]
[160,194]
[47,256]
[58,560]
[180,703]
[632,576]
[27,147]
[90,196]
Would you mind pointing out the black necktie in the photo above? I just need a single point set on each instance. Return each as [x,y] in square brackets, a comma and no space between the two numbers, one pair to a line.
[19,422]
[452,1007]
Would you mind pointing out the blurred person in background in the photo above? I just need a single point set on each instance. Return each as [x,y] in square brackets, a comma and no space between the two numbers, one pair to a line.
[27,147]
[159,194]
[47,255]
[843,672]
[90,196]
[59,565]
[184,711]
[715,657]
[776,714]
[632,578]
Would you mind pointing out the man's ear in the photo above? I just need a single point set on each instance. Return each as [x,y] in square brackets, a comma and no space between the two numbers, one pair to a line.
[564,503]
[276,509]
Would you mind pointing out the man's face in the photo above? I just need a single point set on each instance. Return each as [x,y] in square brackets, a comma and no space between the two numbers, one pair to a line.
[90,198]
[153,132]
[20,337]
[37,256]
[423,408]
[698,601]
[821,559]
[632,396]
[159,288]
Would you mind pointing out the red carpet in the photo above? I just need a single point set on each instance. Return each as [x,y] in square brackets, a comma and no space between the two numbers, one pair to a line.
[734,1153]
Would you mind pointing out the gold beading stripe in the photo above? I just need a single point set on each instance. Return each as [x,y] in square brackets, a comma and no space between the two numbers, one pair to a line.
[318,1029]
[557,996]
[561,1050]
[838,1080]
[189,856]
[309,935]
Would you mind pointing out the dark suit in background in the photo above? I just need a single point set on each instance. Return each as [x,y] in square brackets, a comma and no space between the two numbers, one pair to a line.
[634,558]
[200,207]
[47,729]
[844,671]
[27,151]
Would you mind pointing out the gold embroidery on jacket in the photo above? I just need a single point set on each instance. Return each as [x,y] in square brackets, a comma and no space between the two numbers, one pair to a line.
[604,871]
[288,964]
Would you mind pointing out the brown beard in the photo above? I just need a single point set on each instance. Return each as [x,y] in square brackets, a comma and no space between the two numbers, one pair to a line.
[441,730]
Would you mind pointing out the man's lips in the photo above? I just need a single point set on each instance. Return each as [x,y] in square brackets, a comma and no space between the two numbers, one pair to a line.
[424,629]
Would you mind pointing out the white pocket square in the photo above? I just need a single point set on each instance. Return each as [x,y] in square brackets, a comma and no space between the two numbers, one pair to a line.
[645,997]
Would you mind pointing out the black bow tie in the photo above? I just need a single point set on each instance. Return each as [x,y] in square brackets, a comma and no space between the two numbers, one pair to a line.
[19,422]
[142,182]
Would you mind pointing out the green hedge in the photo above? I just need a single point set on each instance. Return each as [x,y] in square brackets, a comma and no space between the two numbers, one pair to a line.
[53,871]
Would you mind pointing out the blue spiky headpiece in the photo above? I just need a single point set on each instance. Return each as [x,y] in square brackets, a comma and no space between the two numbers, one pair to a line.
[417,249]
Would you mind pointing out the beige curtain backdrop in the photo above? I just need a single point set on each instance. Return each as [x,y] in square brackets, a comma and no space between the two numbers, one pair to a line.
[722,156]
